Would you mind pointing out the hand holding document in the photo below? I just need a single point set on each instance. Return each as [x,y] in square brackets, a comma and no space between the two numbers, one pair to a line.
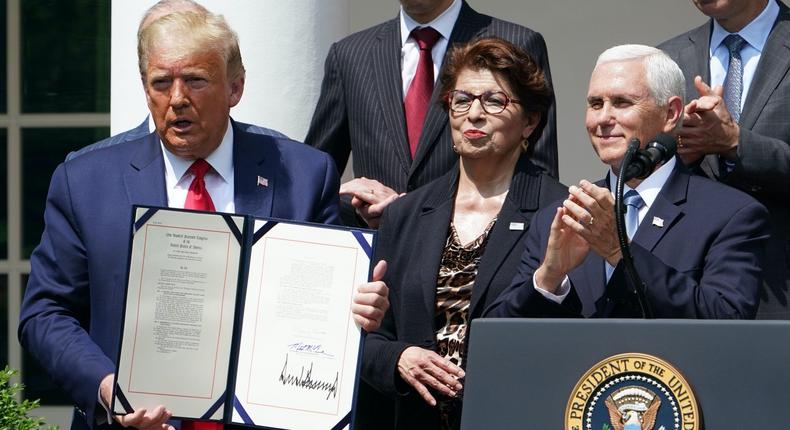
[372,300]
[243,320]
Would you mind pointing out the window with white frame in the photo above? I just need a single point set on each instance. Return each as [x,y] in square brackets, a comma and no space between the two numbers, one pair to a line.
[54,98]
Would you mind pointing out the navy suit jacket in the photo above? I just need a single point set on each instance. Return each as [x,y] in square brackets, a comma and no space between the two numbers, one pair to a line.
[141,130]
[71,313]
[360,109]
[411,238]
[699,249]
[763,157]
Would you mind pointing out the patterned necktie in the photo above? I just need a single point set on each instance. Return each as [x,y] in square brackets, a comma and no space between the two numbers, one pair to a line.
[733,82]
[634,202]
[198,197]
[417,98]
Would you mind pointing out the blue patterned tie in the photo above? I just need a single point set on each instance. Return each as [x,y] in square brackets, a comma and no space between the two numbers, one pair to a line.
[733,82]
[634,202]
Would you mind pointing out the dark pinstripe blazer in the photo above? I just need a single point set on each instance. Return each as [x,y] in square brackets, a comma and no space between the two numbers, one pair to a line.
[142,130]
[763,163]
[360,109]
[411,238]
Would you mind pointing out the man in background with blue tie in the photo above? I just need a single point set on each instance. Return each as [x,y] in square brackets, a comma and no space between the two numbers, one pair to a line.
[698,245]
[738,130]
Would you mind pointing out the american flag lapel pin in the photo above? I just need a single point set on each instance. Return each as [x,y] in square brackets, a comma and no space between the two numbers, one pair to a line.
[263,182]
[658,222]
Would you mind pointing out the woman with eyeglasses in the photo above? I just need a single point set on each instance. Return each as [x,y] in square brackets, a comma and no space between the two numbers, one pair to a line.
[453,245]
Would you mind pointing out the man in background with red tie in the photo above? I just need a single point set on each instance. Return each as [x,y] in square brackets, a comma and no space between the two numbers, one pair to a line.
[378,102]
[192,74]
[738,129]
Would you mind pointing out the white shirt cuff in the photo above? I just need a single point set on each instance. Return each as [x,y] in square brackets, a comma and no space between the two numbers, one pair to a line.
[562,291]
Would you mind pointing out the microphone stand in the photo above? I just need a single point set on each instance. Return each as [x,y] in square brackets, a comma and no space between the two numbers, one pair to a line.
[622,235]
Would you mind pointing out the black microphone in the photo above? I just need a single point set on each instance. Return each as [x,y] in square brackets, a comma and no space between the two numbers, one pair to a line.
[660,149]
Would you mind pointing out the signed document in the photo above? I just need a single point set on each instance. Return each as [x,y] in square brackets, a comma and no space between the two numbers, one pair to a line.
[299,345]
[241,320]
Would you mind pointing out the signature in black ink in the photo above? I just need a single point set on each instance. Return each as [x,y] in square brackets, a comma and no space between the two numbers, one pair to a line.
[306,381]
[310,348]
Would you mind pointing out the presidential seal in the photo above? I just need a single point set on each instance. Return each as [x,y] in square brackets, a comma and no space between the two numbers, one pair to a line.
[632,392]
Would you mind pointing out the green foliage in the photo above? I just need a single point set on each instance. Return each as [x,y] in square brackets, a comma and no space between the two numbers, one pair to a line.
[13,414]
[606,427]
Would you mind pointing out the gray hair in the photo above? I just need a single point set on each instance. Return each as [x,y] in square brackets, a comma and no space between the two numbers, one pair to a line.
[664,77]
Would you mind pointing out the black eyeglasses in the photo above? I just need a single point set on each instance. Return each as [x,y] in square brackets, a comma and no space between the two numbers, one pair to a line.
[493,102]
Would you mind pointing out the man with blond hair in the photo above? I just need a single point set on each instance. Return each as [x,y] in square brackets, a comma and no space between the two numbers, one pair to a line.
[198,158]
[158,10]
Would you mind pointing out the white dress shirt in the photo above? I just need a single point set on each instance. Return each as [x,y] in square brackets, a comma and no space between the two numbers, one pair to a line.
[410,51]
[219,183]
[648,189]
[755,34]
[219,180]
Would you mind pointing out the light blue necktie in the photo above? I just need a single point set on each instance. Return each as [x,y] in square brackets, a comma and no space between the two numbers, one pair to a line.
[633,202]
[733,82]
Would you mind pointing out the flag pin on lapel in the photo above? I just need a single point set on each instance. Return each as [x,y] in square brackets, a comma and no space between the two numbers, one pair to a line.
[263,182]
[517,226]
[658,222]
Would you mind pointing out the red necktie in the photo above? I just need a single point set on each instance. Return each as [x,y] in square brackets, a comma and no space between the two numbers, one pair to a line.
[199,199]
[419,95]
[197,196]
[197,425]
